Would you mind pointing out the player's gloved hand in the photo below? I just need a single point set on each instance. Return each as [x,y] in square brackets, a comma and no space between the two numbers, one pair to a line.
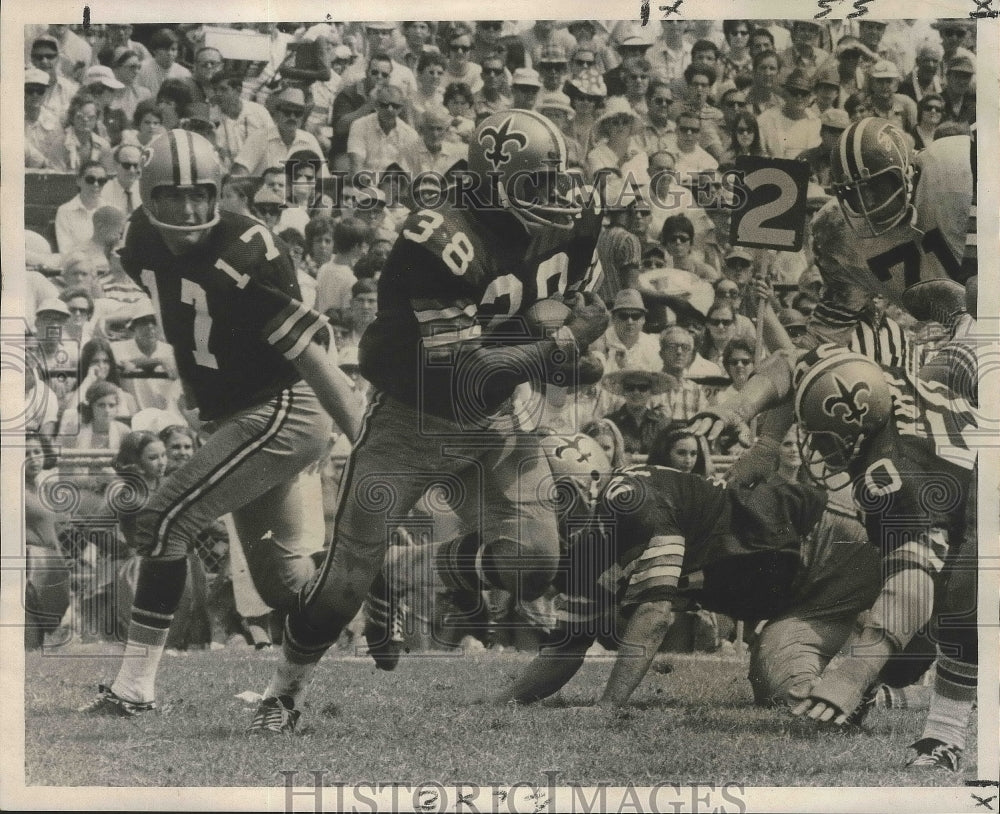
[713,422]
[588,319]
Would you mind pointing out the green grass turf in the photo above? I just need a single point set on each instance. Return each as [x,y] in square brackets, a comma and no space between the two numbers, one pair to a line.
[423,723]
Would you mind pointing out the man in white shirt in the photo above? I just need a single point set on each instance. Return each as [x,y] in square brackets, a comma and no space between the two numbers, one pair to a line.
[381,138]
[45,57]
[271,147]
[148,364]
[122,191]
[793,128]
[692,158]
[432,153]
[239,118]
[74,219]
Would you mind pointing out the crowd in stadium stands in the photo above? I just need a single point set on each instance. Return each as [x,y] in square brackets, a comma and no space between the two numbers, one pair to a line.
[332,137]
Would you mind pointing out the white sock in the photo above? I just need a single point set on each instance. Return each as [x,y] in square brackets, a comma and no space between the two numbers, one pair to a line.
[290,679]
[136,679]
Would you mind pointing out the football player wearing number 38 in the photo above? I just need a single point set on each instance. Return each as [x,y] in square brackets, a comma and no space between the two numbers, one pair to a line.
[255,361]
[452,340]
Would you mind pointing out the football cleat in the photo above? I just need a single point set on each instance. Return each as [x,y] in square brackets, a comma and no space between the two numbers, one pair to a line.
[868,702]
[385,616]
[932,752]
[108,703]
[274,715]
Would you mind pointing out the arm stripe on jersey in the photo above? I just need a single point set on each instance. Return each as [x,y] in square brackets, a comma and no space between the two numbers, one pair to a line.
[431,314]
[225,468]
[283,323]
[451,336]
[305,333]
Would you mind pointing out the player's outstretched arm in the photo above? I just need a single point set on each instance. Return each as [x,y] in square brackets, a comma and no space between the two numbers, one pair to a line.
[548,672]
[769,386]
[642,639]
[332,387]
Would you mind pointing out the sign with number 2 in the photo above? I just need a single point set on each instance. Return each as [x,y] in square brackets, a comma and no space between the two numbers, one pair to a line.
[774,215]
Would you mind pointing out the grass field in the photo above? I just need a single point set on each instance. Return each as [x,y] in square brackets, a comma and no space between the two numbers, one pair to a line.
[422,722]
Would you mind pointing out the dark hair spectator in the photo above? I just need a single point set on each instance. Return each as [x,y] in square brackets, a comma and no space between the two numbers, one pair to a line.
[349,233]
[458,90]
[738,145]
[429,58]
[695,69]
[702,46]
[163,40]
[676,223]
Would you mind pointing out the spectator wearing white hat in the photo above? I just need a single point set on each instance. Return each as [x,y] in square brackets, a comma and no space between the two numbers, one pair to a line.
[926,76]
[632,43]
[587,93]
[432,152]
[59,89]
[884,101]
[43,134]
[271,147]
[787,131]
[615,146]
[525,85]
[556,107]
[959,94]
[832,123]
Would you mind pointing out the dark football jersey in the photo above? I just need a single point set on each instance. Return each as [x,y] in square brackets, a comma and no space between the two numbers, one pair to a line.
[458,280]
[903,489]
[663,535]
[230,309]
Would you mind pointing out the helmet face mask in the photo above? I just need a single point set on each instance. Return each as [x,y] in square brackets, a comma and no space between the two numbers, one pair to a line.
[519,160]
[180,186]
[872,176]
[841,400]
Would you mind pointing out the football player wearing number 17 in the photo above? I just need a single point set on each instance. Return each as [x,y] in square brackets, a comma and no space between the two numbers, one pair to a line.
[255,361]
[452,340]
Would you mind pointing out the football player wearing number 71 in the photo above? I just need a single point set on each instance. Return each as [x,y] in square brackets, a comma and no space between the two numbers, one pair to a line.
[257,365]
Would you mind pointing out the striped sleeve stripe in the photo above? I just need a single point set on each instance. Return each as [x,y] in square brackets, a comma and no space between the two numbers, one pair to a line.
[640,567]
[674,544]
[295,333]
[440,338]
[664,573]
[283,321]
[431,314]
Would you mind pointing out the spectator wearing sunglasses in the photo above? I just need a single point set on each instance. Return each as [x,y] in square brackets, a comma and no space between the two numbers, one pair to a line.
[657,130]
[42,133]
[380,138]
[122,191]
[793,128]
[930,113]
[459,66]
[736,59]
[583,58]
[721,330]
[633,46]
[74,219]
[692,158]
[677,236]
[60,89]
[638,419]
[493,97]
[744,138]
[273,146]
[357,98]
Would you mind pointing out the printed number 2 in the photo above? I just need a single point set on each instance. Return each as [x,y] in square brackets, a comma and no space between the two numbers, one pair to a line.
[750,229]
[194,294]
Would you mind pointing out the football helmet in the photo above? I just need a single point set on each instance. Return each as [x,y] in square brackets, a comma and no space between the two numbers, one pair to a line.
[872,176]
[180,160]
[580,470]
[518,158]
[841,398]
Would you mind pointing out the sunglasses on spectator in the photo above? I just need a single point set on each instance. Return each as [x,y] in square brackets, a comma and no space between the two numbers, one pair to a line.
[678,239]
[731,293]
[799,93]
[45,55]
[736,263]
[390,105]
[689,130]
[619,121]
[718,323]
[675,346]
[636,387]
[635,316]
[934,108]
[76,310]
[553,66]
[35,90]
[129,165]
[735,103]
[492,71]
[93,180]
[583,62]
[461,49]
[383,74]
[661,100]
